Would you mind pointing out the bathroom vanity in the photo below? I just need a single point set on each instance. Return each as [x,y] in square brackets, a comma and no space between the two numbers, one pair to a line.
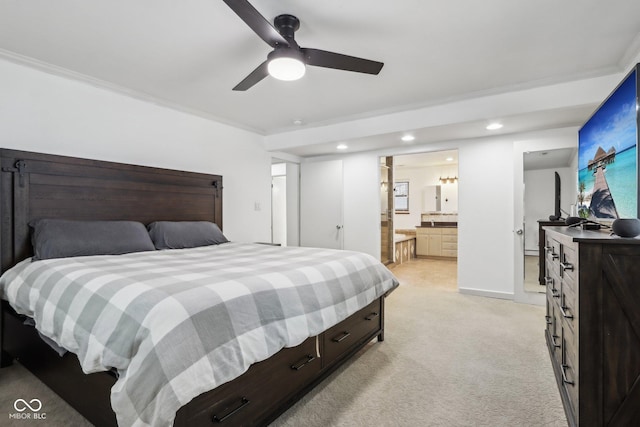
[437,235]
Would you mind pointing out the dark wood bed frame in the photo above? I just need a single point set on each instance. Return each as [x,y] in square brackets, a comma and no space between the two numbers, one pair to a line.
[34,185]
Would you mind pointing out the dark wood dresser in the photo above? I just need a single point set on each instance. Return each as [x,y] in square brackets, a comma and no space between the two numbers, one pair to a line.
[593,324]
[542,223]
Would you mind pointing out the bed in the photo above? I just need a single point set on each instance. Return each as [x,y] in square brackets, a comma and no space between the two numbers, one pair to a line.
[37,186]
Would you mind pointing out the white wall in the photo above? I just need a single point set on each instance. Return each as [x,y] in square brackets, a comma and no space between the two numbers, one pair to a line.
[418,179]
[485,210]
[51,114]
[573,186]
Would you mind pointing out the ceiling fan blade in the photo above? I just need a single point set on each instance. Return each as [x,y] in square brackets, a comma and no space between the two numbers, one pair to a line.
[322,58]
[255,77]
[257,22]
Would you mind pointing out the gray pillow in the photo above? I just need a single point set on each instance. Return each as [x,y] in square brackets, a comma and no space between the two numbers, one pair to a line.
[185,234]
[60,238]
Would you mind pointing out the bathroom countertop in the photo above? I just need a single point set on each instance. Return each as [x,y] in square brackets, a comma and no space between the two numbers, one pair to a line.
[402,237]
[437,224]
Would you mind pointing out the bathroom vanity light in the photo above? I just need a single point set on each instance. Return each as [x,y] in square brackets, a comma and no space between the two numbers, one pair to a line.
[448,179]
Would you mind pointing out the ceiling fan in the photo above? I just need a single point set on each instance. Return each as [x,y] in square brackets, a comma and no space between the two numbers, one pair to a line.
[287,61]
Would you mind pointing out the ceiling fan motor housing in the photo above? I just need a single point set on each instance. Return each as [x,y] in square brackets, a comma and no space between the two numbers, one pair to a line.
[286,25]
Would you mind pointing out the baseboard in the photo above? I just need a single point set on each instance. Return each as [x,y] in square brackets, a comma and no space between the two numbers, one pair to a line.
[485,293]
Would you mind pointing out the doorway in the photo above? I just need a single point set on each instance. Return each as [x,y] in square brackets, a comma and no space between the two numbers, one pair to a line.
[559,144]
[285,203]
[542,170]
[419,203]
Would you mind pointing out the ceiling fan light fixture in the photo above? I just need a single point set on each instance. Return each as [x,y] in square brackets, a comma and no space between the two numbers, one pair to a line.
[286,64]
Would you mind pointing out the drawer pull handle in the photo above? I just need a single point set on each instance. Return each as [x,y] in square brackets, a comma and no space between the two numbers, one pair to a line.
[548,280]
[371,316]
[548,319]
[553,341]
[554,256]
[548,248]
[344,336]
[565,380]
[244,402]
[555,293]
[566,266]
[564,313]
[307,359]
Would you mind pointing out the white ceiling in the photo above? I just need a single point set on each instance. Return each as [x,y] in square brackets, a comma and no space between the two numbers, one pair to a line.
[549,159]
[190,54]
[422,160]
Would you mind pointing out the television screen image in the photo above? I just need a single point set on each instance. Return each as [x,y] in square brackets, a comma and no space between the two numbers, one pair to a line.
[608,156]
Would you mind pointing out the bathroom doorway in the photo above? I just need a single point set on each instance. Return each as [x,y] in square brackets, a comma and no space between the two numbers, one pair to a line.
[419,203]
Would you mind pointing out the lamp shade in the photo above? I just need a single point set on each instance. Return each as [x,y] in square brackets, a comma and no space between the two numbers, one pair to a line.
[286,64]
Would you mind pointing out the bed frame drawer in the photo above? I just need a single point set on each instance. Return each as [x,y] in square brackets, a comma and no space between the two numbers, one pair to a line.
[246,401]
[361,326]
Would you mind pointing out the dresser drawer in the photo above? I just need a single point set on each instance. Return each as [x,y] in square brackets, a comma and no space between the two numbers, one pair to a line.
[449,238]
[567,302]
[569,367]
[428,230]
[553,257]
[557,335]
[451,231]
[553,284]
[450,252]
[552,249]
[568,262]
[345,335]
[449,246]
[554,327]
[243,403]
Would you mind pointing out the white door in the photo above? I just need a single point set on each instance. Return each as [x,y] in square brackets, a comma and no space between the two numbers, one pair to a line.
[321,193]
[279,210]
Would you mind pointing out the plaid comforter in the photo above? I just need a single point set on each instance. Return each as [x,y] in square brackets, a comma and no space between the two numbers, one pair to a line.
[177,323]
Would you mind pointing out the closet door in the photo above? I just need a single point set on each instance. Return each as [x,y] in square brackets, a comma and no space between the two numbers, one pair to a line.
[321,200]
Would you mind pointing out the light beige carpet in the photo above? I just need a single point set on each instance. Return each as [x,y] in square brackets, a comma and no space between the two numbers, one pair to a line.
[447,360]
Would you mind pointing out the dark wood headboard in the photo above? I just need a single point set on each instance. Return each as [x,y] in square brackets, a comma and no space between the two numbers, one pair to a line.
[35,185]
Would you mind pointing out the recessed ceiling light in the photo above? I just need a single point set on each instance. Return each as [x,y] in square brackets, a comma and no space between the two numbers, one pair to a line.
[342,146]
[449,159]
[408,138]
[297,122]
[494,126]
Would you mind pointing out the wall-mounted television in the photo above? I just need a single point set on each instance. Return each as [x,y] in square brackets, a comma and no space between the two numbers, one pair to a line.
[608,156]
